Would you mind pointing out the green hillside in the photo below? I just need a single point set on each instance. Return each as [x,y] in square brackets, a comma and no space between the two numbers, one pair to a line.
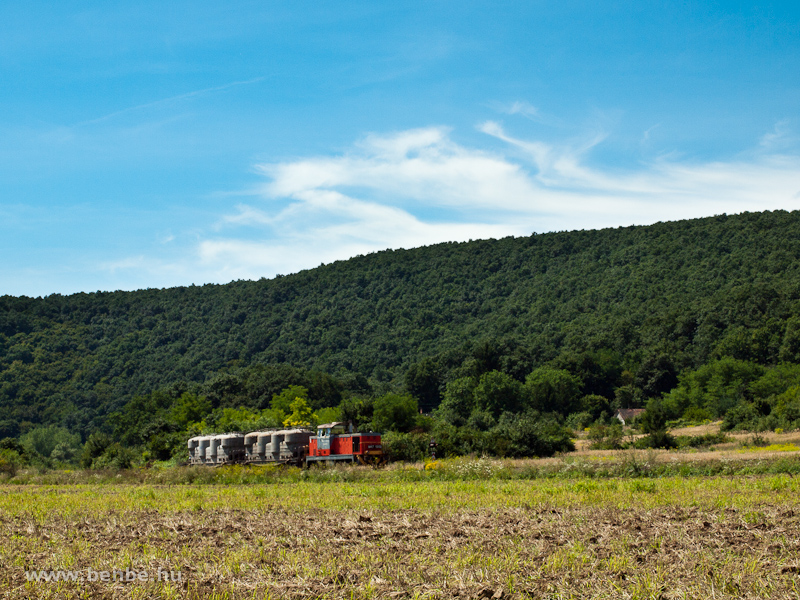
[625,311]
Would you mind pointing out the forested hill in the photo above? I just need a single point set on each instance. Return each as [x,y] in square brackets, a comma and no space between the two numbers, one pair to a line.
[656,299]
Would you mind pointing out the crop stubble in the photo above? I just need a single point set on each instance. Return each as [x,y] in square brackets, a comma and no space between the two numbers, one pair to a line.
[701,538]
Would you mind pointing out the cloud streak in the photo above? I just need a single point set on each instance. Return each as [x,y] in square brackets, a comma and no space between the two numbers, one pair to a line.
[167,101]
[419,187]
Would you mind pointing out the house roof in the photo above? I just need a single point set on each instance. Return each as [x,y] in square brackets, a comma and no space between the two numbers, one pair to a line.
[629,413]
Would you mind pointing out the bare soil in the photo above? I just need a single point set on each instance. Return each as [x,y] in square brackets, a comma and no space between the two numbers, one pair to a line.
[587,552]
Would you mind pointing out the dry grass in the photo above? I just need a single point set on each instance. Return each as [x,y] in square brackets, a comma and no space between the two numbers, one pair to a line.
[705,429]
[777,445]
[644,538]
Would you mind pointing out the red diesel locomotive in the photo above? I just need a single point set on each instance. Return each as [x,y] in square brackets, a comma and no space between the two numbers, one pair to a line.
[333,443]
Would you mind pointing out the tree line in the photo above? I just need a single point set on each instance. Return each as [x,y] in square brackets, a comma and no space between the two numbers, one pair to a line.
[484,336]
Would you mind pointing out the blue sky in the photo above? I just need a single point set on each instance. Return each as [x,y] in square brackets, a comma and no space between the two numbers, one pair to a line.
[157,144]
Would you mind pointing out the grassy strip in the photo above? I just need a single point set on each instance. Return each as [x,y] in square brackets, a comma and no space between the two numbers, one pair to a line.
[40,502]
[627,464]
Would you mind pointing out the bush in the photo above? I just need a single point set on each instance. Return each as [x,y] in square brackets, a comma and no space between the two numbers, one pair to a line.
[742,416]
[94,448]
[13,444]
[654,418]
[115,457]
[225,419]
[459,441]
[701,441]
[481,420]
[693,414]
[716,387]
[530,434]
[606,437]
[657,439]
[756,440]
[283,401]
[10,461]
[64,452]
[42,441]
[410,447]
[328,414]
[579,421]
[164,446]
[596,406]
[787,408]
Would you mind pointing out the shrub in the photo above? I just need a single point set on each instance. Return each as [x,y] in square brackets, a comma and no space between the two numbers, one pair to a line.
[654,423]
[757,440]
[13,444]
[701,441]
[579,421]
[742,416]
[460,441]
[606,437]
[657,439]
[458,401]
[42,441]
[64,452]
[283,401]
[596,406]
[481,420]
[410,447]
[694,414]
[716,387]
[115,457]
[530,434]
[10,461]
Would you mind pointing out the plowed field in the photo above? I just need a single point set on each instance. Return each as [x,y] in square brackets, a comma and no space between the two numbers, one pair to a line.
[667,538]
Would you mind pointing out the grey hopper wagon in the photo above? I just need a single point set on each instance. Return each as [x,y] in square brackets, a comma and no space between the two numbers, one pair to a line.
[214,450]
[280,446]
[284,446]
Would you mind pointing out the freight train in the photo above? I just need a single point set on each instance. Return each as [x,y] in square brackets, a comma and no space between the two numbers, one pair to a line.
[333,442]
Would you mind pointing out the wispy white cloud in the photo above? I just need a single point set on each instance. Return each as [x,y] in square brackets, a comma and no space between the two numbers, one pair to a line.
[418,166]
[647,132]
[657,189]
[322,226]
[778,139]
[419,187]
[523,108]
[529,111]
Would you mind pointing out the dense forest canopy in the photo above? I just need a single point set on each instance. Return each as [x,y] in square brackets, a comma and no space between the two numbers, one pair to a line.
[474,331]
